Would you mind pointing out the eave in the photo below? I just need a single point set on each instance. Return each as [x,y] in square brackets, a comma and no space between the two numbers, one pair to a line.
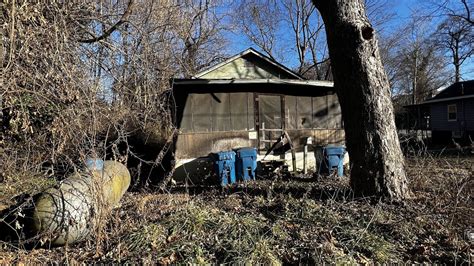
[312,83]
[442,100]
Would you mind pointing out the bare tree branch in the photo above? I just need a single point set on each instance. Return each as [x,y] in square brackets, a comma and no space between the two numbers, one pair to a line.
[108,32]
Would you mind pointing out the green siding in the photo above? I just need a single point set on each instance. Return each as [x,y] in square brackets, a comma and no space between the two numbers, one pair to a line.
[245,68]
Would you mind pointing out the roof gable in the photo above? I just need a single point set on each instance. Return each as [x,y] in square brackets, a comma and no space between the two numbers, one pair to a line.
[457,90]
[248,64]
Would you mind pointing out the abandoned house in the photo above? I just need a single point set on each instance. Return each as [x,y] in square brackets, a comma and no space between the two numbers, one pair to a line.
[249,100]
[450,114]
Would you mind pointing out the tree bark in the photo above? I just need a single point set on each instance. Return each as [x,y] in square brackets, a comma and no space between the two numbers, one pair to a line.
[456,62]
[364,94]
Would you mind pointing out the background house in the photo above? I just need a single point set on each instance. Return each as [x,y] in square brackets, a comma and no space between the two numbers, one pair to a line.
[451,113]
[409,117]
[247,101]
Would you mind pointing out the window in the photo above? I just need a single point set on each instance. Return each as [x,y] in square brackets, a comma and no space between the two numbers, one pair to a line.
[452,112]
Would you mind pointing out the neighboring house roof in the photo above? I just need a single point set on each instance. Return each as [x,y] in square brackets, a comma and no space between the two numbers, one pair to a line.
[263,68]
[458,90]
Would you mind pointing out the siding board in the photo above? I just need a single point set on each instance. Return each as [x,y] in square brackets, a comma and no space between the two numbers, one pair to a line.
[465,116]
[469,113]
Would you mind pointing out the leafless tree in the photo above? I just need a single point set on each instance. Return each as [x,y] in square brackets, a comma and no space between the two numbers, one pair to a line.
[454,31]
[45,85]
[456,36]
[260,21]
[75,76]
[461,9]
[307,27]
[413,62]
[200,32]
[380,13]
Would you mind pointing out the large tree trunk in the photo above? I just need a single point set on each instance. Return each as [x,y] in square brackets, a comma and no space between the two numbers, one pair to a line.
[364,93]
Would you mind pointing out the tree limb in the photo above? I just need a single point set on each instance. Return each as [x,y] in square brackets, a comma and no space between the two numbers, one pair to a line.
[468,15]
[107,33]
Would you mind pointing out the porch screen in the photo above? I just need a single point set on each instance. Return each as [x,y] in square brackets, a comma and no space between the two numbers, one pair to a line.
[290,112]
[320,112]
[208,112]
[220,113]
[305,112]
[238,111]
[270,111]
[186,124]
[201,106]
[250,112]
[334,112]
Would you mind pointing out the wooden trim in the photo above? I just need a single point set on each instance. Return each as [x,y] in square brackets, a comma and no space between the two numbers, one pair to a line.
[259,55]
[444,100]
[256,112]
[274,129]
[283,113]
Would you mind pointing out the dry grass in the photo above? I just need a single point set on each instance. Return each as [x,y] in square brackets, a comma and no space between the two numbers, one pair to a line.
[275,222]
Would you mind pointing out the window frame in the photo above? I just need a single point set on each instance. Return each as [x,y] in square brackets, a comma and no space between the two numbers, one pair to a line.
[455,112]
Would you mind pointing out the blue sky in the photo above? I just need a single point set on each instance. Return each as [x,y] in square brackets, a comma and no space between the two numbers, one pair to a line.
[402,9]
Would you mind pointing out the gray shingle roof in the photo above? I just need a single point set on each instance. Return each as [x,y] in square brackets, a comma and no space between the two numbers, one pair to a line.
[457,89]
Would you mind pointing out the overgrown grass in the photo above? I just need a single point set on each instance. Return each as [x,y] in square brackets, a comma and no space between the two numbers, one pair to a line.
[291,224]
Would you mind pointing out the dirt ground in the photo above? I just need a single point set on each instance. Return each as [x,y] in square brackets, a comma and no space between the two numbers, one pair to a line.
[283,221]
